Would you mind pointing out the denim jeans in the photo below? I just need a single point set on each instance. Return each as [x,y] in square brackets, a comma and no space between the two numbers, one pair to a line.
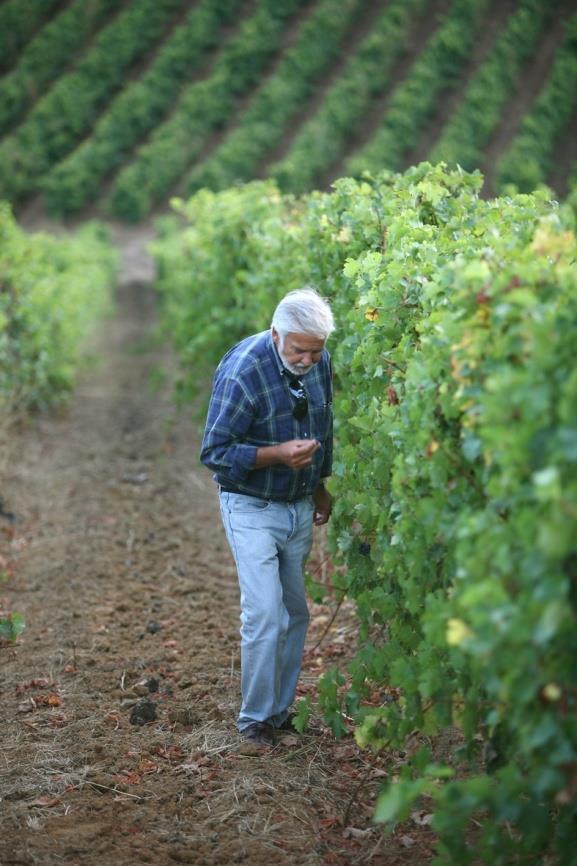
[270,542]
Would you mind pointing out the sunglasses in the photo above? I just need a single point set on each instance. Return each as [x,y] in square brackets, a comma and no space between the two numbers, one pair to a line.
[301,406]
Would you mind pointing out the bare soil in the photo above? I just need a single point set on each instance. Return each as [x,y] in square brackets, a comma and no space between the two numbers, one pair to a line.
[113,550]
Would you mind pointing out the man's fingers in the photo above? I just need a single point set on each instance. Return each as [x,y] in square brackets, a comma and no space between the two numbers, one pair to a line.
[300,463]
[306,445]
[299,452]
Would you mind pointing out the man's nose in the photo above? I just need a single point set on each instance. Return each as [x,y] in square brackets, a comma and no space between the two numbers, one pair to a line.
[307,359]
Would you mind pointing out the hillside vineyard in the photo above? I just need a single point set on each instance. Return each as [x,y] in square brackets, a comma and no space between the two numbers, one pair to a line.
[114,109]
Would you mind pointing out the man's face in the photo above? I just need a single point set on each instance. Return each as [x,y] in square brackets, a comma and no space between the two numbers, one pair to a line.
[298,352]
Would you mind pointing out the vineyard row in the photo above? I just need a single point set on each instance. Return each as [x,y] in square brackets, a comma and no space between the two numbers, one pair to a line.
[455,472]
[127,111]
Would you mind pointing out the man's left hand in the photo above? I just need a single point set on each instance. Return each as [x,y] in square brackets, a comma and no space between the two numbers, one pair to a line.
[323,506]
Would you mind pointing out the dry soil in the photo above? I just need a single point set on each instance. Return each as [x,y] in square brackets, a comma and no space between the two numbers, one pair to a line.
[112,548]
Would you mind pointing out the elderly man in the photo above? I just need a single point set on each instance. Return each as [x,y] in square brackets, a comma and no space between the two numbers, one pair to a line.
[268,439]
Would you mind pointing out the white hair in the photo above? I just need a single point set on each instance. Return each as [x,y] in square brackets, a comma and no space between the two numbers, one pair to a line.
[303,311]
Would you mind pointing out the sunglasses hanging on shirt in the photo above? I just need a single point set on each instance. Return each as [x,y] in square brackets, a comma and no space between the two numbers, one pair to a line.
[301,406]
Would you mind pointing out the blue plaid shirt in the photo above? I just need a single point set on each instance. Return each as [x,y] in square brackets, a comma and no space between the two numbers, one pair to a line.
[251,407]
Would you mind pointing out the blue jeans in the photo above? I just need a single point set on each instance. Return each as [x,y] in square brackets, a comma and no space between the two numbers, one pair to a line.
[270,542]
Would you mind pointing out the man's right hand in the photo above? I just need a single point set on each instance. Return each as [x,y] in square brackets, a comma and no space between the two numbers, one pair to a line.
[296,454]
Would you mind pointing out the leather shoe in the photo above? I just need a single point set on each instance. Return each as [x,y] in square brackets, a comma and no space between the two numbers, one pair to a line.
[259,733]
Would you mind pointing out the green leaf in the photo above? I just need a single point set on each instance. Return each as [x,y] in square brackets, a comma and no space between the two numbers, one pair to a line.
[303,711]
[11,626]
[395,803]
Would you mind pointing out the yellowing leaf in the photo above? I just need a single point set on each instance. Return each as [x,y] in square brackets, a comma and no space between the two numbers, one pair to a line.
[552,692]
[552,243]
[457,632]
[432,447]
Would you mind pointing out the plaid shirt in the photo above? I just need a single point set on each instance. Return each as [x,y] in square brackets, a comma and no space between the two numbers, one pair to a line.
[251,407]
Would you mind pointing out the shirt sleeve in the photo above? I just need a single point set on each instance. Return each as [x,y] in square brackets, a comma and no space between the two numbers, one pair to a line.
[327,466]
[230,414]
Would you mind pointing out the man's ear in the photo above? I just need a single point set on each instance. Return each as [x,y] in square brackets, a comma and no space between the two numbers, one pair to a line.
[275,335]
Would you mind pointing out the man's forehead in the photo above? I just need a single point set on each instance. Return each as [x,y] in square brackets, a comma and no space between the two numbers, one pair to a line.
[305,341]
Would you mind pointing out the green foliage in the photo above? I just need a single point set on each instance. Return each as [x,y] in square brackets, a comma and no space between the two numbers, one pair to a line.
[18,21]
[11,626]
[262,126]
[366,75]
[315,591]
[528,160]
[330,701]
[120,105]
[136,110]
[202,108]
[61,117]
[415,99]
[470,127]
[51,289]
[197,327]
[455,476]
[570,204]
[43,57]
[302,715]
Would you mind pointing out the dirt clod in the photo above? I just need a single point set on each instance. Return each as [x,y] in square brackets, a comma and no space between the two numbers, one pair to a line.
[142,713]
[153,627]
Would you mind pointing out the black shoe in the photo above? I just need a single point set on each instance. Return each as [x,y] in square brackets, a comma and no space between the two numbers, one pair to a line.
[259,733]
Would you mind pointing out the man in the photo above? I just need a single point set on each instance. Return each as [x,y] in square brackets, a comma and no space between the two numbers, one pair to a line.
[268,439]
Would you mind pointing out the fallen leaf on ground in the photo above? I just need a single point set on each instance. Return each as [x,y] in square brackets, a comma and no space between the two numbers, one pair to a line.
[357,832]
[40,683]
[47,801]
[421,818]
[145,766]
[326,823]
[128,778]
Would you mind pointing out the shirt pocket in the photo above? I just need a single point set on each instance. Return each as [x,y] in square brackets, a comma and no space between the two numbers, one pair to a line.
[273,428]
[320,419]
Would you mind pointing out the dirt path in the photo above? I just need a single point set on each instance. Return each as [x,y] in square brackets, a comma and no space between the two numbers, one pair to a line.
[118,561]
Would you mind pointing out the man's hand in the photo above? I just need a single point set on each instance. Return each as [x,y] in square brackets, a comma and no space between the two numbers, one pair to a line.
[296,454]
[323,506]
